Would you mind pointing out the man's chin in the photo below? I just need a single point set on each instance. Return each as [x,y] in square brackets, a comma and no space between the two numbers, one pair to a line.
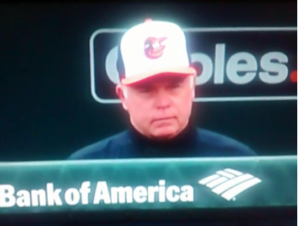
[164,133]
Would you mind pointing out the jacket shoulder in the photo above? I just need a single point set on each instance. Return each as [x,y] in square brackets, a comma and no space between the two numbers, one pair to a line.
[102,149]
[227,146]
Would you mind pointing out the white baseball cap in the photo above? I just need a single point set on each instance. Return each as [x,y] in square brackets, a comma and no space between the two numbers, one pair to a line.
[154,48]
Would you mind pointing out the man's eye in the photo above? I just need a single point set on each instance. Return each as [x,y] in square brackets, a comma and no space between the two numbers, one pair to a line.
[174,85]
[145,90]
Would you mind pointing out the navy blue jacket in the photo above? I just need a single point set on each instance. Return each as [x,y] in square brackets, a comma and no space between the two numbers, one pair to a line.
[192,142]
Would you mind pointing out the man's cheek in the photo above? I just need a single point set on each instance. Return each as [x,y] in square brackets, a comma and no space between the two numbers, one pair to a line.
[144,116]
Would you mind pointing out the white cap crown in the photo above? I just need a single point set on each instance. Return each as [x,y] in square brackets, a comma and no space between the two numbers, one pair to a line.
[153,46]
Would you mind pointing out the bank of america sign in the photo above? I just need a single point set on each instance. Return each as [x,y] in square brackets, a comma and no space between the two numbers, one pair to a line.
[229,183]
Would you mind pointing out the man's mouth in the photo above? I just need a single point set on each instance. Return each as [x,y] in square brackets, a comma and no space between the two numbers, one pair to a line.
[162,119]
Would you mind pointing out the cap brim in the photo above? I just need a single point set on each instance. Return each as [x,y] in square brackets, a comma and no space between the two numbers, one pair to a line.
[180,71]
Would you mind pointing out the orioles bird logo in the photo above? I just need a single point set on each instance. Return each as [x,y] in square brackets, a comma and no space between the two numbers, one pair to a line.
[154,47]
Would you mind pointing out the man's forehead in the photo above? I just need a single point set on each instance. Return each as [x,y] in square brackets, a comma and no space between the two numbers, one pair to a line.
[166,78]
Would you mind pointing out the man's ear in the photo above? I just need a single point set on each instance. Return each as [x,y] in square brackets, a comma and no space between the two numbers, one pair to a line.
[120,92]
[193,85]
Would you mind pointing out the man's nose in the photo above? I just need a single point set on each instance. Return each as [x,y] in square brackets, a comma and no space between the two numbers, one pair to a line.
[162,99]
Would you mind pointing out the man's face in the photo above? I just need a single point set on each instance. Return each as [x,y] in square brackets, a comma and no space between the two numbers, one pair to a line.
[159,107]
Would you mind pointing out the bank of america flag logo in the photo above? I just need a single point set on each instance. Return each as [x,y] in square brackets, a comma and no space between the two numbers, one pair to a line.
[229,183]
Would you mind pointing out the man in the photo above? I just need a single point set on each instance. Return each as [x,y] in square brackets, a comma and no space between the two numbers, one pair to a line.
[157,89]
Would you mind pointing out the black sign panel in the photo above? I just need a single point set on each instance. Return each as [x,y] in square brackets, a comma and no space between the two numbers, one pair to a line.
[238,64]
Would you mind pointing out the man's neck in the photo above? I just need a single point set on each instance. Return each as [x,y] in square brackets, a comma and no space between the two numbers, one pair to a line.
[186,136]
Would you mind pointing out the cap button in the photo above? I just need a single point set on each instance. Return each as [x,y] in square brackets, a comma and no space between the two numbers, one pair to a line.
[148,20]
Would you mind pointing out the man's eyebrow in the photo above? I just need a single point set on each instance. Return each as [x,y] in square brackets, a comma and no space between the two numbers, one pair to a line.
[178,79]
[142,86]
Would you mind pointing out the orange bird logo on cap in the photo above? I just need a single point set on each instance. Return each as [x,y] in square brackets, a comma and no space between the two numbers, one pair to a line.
[154,47]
